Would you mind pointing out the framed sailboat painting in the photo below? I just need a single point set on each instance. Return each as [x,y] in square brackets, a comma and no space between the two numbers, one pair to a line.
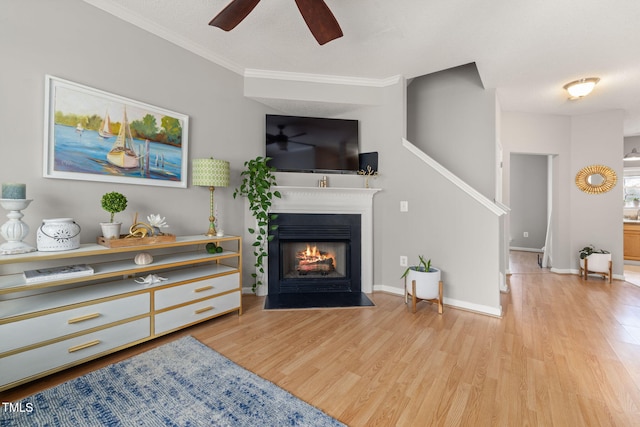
[93,135]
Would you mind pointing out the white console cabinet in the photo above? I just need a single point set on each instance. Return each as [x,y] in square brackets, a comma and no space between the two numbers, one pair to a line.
[49,326]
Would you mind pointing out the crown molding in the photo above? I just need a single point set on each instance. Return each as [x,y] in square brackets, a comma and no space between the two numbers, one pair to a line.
[165,33]
[172,37]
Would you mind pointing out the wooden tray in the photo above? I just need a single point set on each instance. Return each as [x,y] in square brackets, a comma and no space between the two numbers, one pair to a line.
[124,241]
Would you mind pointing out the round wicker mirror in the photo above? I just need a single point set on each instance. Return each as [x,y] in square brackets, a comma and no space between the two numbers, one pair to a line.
[596,179]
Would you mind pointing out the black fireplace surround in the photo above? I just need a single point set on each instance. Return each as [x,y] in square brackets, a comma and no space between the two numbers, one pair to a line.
[315,261]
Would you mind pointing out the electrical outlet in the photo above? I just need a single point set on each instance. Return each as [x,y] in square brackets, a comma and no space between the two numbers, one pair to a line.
[404,206]
[526,234]
[403,261]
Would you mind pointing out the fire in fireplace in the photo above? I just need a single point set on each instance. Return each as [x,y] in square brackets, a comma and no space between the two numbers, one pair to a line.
[324,259]
[314,261]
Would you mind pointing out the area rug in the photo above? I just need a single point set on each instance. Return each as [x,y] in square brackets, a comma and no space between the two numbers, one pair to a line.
[183,383]
[317,300]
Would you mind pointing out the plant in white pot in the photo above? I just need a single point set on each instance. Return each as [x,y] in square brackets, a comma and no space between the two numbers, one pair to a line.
[113,203]
[423,282]
[595,261]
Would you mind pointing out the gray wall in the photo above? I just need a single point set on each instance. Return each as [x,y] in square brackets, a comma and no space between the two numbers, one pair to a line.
[597,139]
[575,142]
[75,41]
[62,38]
[528,201]
[452,118]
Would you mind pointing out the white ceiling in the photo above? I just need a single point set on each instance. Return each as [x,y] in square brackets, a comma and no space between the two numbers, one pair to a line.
[526,50]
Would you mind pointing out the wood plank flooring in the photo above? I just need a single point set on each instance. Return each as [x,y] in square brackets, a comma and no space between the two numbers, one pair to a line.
[566,353]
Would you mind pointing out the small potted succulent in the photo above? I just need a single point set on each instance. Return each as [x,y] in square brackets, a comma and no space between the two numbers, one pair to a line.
[113,203]
[427,282]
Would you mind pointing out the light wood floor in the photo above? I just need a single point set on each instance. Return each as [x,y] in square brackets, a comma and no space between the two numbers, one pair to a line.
[566,353]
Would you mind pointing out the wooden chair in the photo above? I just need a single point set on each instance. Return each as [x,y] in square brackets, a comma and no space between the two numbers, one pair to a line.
[415,300]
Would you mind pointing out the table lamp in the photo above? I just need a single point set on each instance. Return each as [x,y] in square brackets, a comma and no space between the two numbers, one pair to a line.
[210,173]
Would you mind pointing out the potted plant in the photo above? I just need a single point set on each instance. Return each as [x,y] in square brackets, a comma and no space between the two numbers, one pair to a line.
[423,282]
[113,203]
[594,260]
[257,180]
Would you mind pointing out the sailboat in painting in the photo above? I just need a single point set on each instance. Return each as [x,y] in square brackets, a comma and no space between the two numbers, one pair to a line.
[122,153]
[105,127]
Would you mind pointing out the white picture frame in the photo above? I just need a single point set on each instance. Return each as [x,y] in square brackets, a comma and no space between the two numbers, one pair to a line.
[82,138]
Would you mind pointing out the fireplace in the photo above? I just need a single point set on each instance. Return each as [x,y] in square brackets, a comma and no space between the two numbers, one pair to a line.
[315,253]
[317,290]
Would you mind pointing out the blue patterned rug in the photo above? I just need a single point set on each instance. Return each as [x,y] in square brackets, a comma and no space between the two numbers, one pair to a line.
[183,383]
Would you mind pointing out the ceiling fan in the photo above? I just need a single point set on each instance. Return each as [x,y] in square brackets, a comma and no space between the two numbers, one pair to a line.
[283,140]
[321,22]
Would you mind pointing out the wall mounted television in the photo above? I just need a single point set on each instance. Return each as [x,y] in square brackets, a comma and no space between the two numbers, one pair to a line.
[311,144]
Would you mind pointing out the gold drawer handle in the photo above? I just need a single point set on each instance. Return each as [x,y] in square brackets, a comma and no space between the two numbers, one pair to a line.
[204,288]
[83,346]
[83,318]
[202,310]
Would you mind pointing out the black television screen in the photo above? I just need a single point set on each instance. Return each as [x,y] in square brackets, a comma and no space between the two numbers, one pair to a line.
[311,144]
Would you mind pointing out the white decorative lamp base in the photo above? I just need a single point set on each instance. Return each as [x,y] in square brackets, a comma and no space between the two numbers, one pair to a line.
[14,230]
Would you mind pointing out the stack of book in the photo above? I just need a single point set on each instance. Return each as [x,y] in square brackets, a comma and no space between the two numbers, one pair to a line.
[57,273]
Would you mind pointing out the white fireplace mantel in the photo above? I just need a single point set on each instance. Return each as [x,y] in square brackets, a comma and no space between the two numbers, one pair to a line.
[339,201]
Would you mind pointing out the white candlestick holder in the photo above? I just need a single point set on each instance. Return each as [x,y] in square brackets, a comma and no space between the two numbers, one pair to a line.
[14,230]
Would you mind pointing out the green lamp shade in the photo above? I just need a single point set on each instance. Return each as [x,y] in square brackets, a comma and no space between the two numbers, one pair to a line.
[210,173]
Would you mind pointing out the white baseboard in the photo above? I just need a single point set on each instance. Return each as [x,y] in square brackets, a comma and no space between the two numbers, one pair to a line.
[564,270]
[389,289]
[515,248]
[577,272]
[463,305]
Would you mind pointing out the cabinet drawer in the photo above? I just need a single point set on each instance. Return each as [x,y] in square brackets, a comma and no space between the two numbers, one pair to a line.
[31,331]
[195,312]
[192,291]
[23,365]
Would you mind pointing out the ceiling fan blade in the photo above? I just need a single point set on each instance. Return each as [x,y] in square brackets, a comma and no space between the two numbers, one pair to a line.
[301,143]
[233,14]
[321,22]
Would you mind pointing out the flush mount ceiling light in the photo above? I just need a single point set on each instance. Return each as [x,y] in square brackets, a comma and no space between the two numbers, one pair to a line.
[581,88]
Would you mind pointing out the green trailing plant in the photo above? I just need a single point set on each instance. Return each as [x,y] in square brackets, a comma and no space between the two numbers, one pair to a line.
[423,266]
[588,250]
[257,180]
[113,203]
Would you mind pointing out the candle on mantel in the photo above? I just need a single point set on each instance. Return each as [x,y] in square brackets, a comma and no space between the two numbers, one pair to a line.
[12,190]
